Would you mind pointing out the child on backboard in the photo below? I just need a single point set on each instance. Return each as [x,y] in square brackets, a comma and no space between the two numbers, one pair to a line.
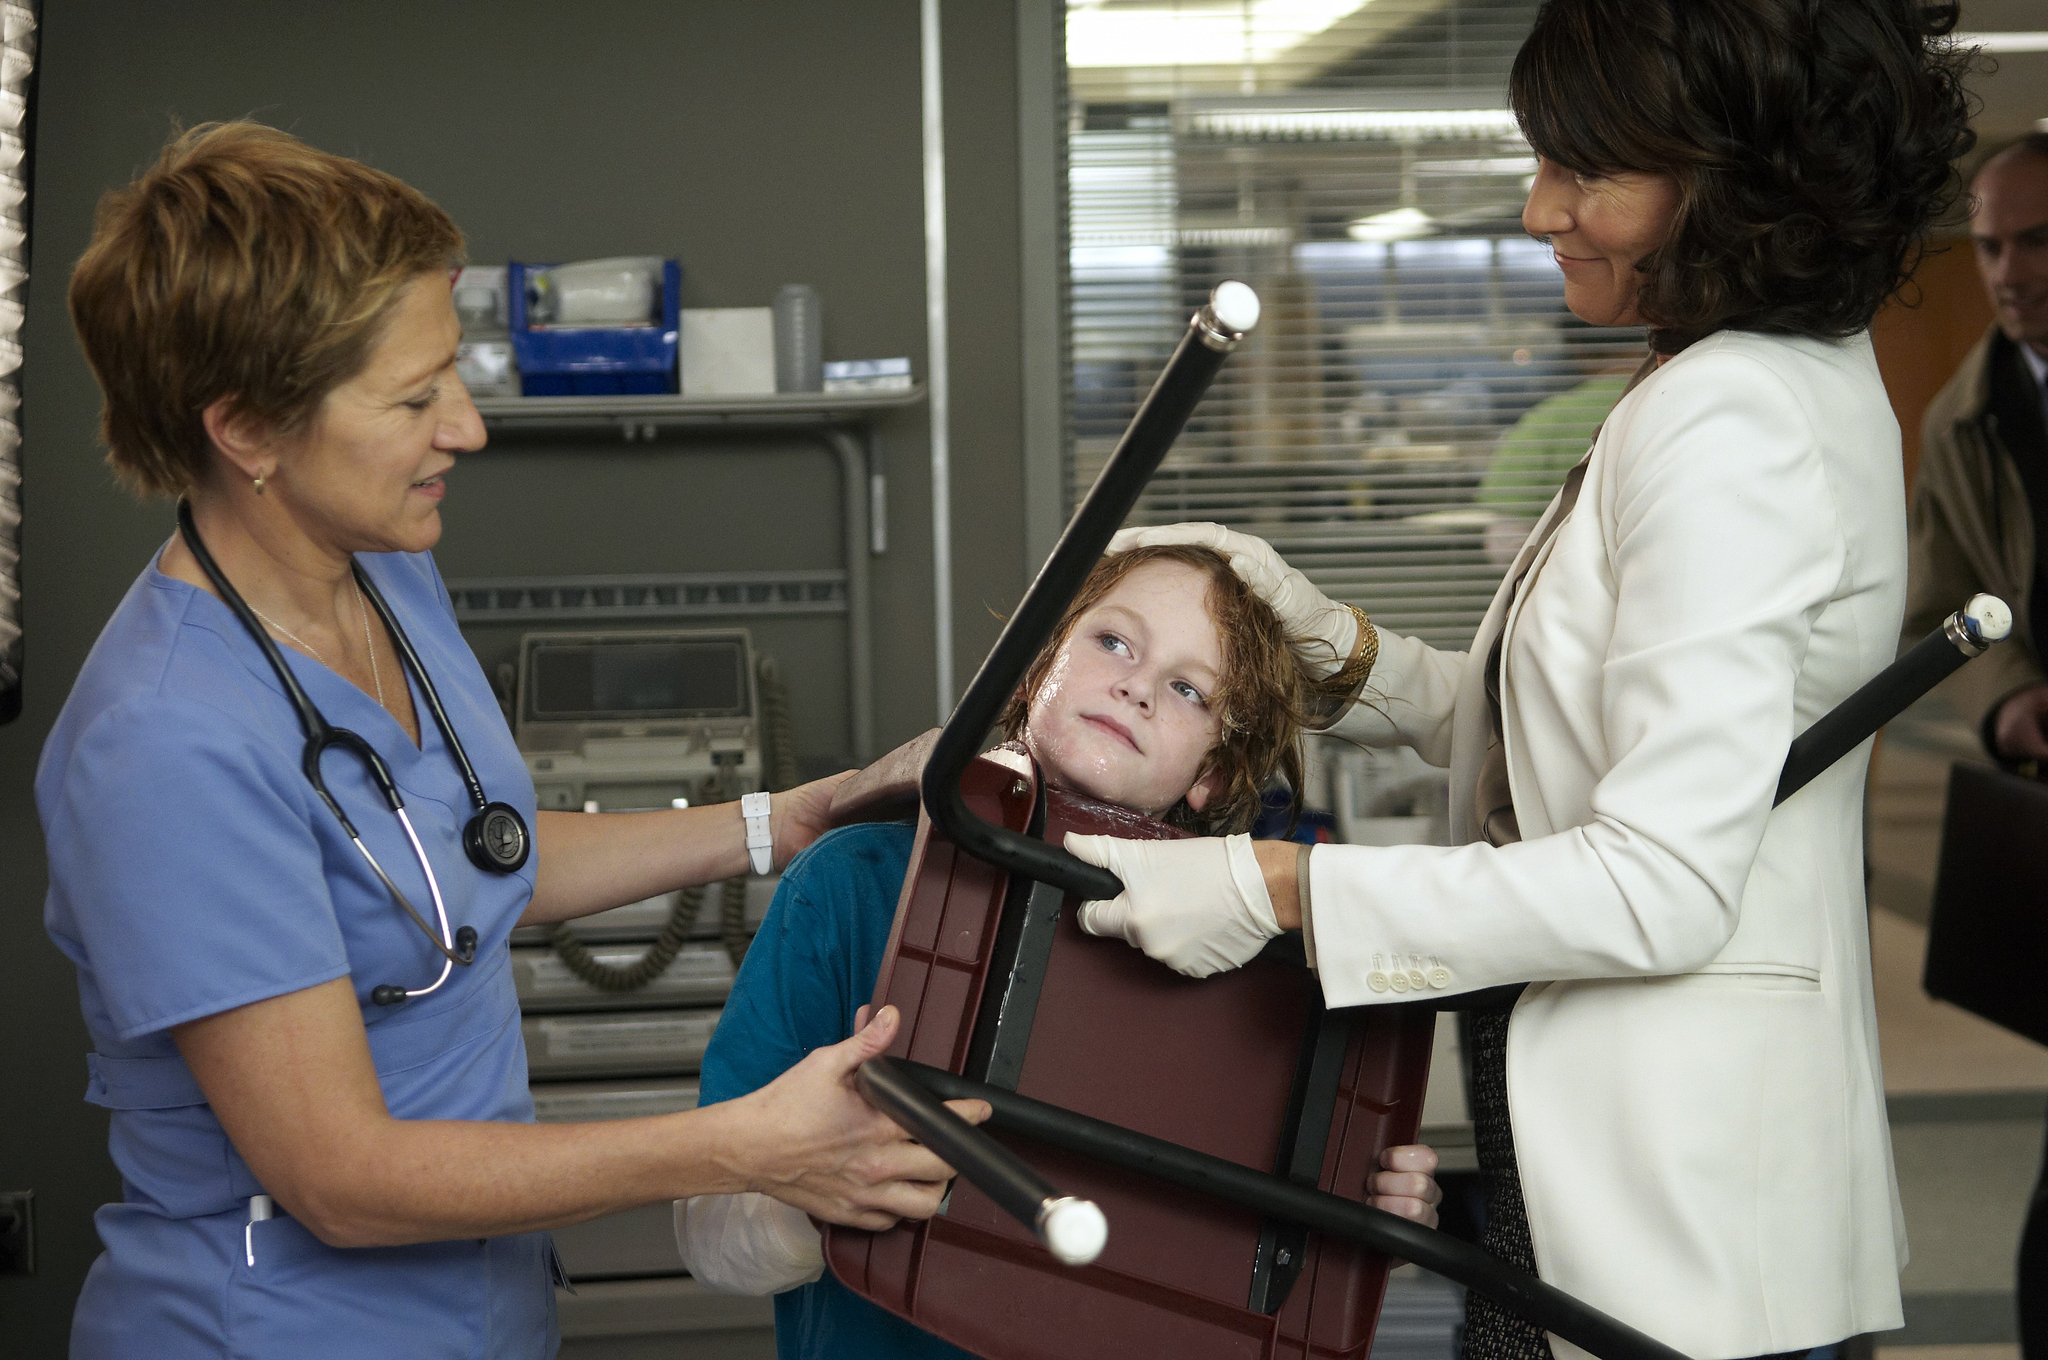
[1170,689]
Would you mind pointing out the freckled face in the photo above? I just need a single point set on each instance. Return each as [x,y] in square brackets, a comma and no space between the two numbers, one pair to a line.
[1598,227]
[1124,715]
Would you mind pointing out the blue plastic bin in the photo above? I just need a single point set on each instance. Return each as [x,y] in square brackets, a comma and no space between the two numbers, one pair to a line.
[595,361]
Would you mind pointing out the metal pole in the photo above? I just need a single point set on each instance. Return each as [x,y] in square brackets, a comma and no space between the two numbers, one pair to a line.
[939,371]
[860,664]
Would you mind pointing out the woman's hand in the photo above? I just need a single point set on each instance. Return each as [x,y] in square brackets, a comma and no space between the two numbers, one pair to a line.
[1306,612]
[1198,906]
[814,1144]
[798,816]
[1407,1184]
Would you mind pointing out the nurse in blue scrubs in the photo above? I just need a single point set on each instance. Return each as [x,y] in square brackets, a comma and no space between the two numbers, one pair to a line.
[273,1031]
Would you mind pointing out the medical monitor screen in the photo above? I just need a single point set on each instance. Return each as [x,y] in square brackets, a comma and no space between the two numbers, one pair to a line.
[626,680]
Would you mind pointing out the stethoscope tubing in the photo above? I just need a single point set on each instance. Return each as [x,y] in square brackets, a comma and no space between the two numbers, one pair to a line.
[322,735]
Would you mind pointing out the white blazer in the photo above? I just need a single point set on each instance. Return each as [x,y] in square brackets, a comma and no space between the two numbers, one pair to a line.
[1694,1082]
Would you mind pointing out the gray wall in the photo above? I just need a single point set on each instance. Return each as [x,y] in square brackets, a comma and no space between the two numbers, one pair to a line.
[760,141]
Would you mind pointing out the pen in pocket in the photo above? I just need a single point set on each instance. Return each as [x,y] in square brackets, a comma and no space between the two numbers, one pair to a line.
[260,1208]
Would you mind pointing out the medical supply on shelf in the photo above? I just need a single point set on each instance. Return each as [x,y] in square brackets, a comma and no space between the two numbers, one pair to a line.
[595,327]
[483,358]
[799,339]
[623,291]
[868,375]
[728,351]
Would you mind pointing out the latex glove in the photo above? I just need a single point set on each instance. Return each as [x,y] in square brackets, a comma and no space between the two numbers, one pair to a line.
[1305,611]
[747,1244]
[1197,906]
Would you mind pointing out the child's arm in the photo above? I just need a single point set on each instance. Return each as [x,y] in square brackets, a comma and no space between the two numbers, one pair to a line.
[747,1244]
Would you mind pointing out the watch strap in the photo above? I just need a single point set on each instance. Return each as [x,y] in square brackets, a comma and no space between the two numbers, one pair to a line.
[760,840]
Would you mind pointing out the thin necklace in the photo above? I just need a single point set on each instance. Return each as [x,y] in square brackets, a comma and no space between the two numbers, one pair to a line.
[363,608]
[376,676]
[288,633]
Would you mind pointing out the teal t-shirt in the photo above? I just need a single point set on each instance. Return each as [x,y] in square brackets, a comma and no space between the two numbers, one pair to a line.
[812,966]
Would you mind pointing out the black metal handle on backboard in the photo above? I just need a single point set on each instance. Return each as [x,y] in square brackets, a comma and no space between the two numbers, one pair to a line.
[1964,634]
[1213,333]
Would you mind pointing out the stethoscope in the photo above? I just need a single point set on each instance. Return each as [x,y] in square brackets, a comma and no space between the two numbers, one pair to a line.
[495,839]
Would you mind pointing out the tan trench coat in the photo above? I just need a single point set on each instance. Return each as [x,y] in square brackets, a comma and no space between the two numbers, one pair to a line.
[1971,529]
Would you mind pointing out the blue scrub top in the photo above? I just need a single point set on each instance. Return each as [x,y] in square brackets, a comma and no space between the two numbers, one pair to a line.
[807,973]
[194,870]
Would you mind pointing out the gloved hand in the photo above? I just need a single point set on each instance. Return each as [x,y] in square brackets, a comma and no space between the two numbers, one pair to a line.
[1197,906]
[1304,610]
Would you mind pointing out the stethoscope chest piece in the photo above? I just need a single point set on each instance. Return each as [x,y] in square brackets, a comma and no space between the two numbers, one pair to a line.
[496,839]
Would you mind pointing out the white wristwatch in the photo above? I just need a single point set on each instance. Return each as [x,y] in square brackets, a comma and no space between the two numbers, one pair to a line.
[760,840]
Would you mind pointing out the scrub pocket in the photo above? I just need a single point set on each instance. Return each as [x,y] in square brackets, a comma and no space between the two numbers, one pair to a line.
[308,1301]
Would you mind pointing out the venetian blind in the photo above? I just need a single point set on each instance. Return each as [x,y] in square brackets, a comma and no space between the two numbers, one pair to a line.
[1415,390]
[17,101]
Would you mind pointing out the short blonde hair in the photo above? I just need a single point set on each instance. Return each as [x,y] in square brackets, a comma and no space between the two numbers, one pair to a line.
[1261,702]
[243,264]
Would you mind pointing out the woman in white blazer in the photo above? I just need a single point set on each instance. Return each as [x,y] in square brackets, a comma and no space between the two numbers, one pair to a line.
[1683,1111]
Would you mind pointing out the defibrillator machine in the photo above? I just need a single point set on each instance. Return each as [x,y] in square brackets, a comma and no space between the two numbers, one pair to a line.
[618,1007]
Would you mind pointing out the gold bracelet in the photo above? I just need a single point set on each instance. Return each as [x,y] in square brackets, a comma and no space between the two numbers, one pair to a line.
[1365,652]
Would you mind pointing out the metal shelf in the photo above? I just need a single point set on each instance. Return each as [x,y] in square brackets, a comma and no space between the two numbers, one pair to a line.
[840,424]
[640,417]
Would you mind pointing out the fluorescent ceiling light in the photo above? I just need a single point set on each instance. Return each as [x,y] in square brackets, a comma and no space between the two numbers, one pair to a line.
[2003,43]
[1364,124]
[1246,31]
[1397,225]
[1234,236]
[1480,165]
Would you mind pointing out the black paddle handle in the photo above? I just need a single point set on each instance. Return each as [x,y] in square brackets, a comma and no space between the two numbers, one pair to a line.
[1074,1230]
[1968,632]
[1201,352]
[1545,1305]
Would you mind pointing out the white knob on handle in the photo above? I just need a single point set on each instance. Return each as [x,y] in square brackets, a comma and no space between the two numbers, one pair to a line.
[1235,305]
[1073,1230]
[1990,616]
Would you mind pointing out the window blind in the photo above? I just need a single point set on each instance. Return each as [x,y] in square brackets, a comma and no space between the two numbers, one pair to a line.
[1415,390]
[17,93]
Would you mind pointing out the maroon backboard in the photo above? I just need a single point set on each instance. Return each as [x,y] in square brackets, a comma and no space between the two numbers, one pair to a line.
[1245,1065]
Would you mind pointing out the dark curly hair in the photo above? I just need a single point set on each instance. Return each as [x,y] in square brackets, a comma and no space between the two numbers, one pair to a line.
[1812,143]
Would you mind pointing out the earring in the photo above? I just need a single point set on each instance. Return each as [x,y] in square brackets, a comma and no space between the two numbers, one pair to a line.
[259,484]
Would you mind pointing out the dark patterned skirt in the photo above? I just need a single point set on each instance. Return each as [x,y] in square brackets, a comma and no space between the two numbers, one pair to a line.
[1491,1331]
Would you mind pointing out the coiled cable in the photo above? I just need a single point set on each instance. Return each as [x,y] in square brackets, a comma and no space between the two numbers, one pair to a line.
[778,759]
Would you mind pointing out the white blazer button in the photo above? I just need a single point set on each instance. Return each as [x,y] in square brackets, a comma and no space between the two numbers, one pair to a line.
[1377,981]
[1439,977]
[1398,981]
